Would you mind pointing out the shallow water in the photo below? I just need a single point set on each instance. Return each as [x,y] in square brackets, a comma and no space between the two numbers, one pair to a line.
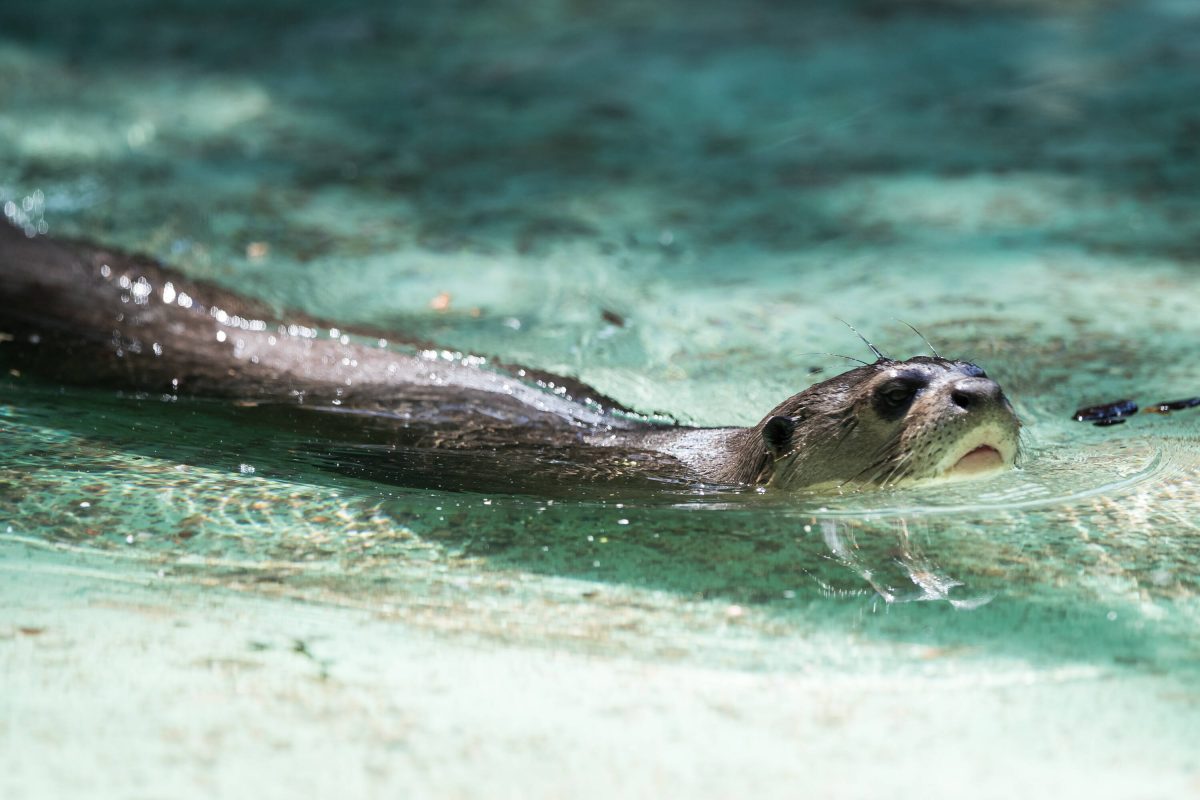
[676,205]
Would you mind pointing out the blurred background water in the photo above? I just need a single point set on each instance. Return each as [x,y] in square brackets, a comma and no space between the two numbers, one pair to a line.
[674,202]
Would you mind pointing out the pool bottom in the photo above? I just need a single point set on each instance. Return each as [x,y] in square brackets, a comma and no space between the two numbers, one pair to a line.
[120,678]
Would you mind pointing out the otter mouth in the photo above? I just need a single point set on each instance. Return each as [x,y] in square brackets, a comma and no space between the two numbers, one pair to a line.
[983,458]
[987,449]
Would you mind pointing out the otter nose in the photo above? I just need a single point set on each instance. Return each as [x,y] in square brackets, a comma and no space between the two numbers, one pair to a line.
[972,393]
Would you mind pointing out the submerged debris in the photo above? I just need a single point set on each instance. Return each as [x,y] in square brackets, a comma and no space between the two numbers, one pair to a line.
[1117,412]
[612,317]
[440,302]
[1167,406]
[1108,413]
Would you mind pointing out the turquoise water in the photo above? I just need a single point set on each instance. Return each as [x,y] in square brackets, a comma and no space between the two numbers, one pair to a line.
[675,204]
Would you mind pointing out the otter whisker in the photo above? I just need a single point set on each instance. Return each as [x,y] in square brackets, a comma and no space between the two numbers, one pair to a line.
[888,445]
[901,469]
[879,460]
[866,341]
[869,468]
[896,458]
[843,425]
[876,467]
[896,465]
[838,355]
[883,475]
[846,430]
[923,339]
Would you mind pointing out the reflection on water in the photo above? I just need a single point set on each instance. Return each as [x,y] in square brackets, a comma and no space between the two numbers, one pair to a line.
[1057,549]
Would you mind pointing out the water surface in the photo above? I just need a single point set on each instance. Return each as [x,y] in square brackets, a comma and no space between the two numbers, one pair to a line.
[674,204]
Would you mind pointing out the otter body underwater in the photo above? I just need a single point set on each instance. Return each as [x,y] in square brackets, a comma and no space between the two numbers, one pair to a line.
[78,313]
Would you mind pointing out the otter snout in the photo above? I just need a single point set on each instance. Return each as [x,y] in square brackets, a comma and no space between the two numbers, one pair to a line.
[975,394]
[983,434]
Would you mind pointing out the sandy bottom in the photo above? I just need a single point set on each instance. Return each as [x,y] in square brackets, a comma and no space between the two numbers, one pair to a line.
[166,689]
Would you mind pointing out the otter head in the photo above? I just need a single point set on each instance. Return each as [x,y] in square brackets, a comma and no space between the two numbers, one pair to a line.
[888,422]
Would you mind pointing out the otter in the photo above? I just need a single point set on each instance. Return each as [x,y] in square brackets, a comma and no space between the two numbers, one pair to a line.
[79,313]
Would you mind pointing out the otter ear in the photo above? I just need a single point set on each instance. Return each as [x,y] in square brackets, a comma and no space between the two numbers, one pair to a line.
[777,433]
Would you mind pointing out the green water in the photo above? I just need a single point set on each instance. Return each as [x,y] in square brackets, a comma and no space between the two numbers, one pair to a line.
[674,203]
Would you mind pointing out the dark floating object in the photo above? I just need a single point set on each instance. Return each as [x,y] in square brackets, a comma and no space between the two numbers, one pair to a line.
[1172,405]
[1107,414]
[612,318]
[1116,413]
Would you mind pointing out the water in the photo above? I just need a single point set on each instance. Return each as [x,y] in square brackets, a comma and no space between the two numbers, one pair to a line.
[674,204]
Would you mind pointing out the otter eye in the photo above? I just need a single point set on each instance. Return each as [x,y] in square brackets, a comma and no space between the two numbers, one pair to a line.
[893,398]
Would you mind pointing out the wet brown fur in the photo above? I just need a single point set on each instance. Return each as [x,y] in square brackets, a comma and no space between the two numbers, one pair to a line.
[78,313]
